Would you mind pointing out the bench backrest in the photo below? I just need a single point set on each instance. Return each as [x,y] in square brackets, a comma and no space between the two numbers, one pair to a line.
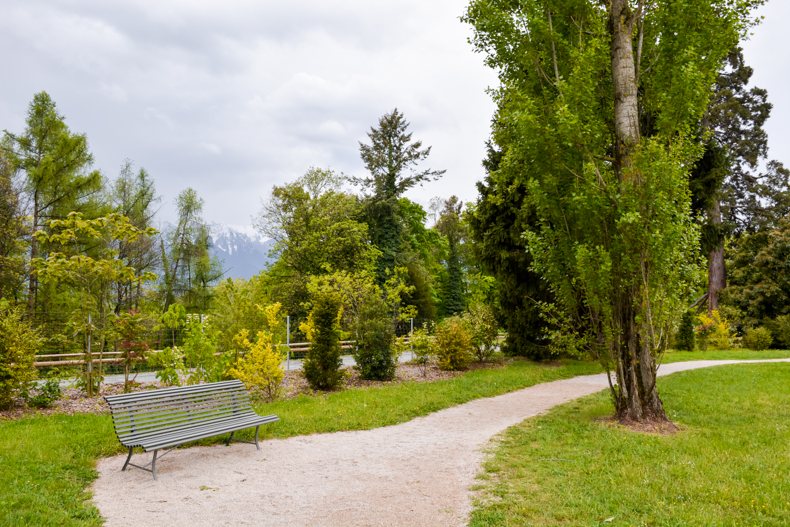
[138,413]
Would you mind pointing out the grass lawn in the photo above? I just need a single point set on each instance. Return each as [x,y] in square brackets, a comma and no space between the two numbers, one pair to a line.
[47,462]
[728,466]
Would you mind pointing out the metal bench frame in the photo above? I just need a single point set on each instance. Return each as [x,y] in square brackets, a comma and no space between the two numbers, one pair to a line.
[157,420]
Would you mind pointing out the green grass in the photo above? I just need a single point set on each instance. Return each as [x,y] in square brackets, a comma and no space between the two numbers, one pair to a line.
[739,354]
[48,462]
[728,466]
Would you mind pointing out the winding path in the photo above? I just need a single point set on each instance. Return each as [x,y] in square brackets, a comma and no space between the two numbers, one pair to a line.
[416,473]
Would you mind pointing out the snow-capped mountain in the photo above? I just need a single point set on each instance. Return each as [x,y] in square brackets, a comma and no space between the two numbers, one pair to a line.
[242,251]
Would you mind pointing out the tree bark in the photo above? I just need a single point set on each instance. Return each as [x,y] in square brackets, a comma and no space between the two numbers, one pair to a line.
[636,396]
[717,274]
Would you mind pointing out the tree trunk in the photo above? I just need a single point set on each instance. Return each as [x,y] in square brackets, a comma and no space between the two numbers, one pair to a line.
[34,250]
[636,397]
[717,275]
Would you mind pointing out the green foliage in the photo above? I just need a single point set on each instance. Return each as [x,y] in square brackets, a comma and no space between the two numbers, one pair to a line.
[484,328]
[422,345]
[685,337]
[261,367]
[169,364]
[19,343]
[45,395]
[391,159]
[759,275]
[757,338]
[374,334]
[133,329]
[317,230]
[452,227]
[713,331]
[781,330]
[322,363]
[200,346]
[453,344]
[174,319]
[586,155]
[238,305]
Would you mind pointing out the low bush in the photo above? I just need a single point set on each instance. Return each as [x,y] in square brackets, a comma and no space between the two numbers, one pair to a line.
[45,395]
[714,331]
[757,338]
[781,331]
[19,343]
[453,344]
[484,328]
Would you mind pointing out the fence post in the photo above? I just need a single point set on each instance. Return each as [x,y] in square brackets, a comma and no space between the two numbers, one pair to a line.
[89,373]
[288,342]
[411,337]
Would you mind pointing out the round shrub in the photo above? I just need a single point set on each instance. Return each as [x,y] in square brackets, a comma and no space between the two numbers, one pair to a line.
[757,338]
[454,350]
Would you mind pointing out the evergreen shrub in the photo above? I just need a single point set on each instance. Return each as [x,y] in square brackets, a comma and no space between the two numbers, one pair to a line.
[375,333]
[322,363]
[685,338]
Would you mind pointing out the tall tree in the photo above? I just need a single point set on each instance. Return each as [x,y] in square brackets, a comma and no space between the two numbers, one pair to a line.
[595,111]
[188,268]
[11,233]
[55,163]
[133,195]
[317,229]
[392,160]
[497,226]
[726,185]
[453,229]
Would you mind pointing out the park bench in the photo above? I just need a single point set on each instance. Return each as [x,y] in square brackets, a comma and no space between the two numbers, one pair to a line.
[162,419]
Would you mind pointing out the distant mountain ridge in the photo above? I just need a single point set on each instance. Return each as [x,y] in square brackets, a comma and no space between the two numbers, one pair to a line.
[243,253]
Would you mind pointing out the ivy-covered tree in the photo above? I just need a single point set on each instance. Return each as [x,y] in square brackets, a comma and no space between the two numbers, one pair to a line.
[595,110]
[391,159]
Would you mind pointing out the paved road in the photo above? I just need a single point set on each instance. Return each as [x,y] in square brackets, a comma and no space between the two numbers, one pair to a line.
[295,364]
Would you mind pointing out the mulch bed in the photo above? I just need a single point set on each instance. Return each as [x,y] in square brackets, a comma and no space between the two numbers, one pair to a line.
[294,384]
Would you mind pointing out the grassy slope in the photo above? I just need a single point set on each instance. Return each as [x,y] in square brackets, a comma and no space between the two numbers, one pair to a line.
[728,466]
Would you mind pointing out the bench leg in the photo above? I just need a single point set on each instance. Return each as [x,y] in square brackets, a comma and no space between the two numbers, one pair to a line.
[230,437]
[129,457]
[257,446]
[153,464]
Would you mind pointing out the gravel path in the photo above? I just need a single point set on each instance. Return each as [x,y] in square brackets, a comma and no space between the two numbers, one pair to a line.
[416,473]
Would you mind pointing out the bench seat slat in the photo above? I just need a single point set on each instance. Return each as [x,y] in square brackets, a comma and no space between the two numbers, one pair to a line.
[185,425]
[202,432]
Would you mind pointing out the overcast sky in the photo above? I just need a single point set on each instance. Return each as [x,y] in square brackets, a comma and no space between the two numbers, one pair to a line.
[234,97]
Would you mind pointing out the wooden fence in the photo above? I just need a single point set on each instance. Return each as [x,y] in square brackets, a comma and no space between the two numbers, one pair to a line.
[117,357]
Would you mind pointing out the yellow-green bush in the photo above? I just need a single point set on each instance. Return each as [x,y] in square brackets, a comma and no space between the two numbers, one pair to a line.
[19,343]
[714,331]
[453,344]
[261,367]
[757,338]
